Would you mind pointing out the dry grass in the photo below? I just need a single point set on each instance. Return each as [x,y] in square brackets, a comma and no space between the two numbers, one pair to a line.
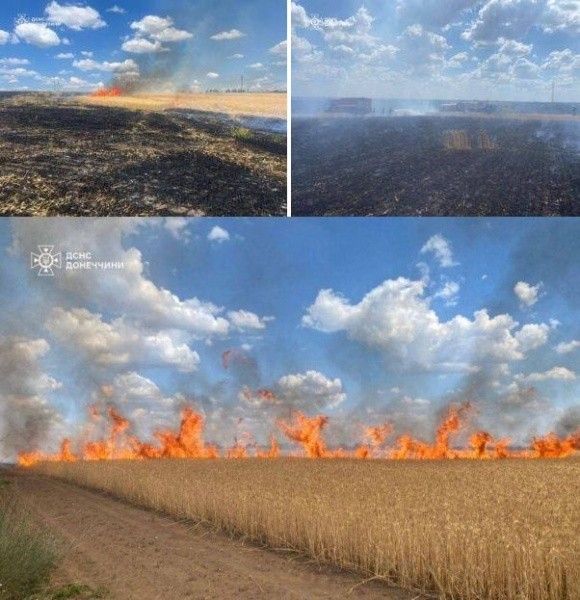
[28,555]
[505,530]
[260,105]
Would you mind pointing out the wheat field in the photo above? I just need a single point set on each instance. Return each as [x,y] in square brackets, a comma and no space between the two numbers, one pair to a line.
[250,104]
[457,529]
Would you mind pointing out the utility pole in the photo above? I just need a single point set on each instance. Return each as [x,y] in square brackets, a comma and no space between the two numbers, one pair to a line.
[242,84]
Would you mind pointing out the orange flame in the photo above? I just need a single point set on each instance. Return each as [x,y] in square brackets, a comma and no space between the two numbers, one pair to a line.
[107,92]
[188,442]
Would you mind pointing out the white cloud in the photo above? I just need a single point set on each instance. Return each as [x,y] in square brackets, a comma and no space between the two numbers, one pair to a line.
[432,13]
[117,9]
[142,46]
[124,291]
[563,61]
[74,17]
[556,373]
[527,294]
[218,234]
[4,37]
[509,19]
[127,66]
[236,56]
[311,391]
[65,55]
[299,16]
[178,228]
[567,347]
[562,15]
[448,293]
[421,50]
[212,75]
[532,336]
[118,342]
[159,29]
[257,66]
[13,61]
[242,320]
[396,319]
[232,34]
[280,49]
[441,248]
[37,34]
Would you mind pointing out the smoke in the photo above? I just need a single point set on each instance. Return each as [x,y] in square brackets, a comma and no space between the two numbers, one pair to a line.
[26,416]
[569,422]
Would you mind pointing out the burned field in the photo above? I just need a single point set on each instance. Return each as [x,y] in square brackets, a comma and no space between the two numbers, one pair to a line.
[435,166]
[60,157]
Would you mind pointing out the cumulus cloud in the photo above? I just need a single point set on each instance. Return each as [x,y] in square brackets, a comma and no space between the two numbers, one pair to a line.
[64,55]
[4,37]
[311,391]
[528,294]
[567,347]
[212,75]
[178,228]
[242,320]
[433,13]
[143,46]
[510,19]
[74,17]
[556,373]
[279,49]
[396,319]
[218,234]
[126,291]
[448,293]
[232,34]
[5,62]
[118,342]
[423,51]
[441,248]
[37,34]
[160,29]
[117,9]
[89,64]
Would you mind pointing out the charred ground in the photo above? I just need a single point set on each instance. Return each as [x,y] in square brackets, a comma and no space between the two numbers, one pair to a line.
[435,166]
[58,157]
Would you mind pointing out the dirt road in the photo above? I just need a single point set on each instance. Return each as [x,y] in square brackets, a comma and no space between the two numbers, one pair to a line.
[136,554]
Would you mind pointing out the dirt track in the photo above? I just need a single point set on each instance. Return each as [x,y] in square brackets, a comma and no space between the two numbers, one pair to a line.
[136,554]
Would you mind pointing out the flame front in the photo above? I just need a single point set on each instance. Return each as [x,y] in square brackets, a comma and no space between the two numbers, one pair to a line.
[304,431]
[107,92]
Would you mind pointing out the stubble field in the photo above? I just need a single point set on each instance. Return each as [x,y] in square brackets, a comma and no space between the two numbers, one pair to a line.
[468,529]
[436,165]
[138,157]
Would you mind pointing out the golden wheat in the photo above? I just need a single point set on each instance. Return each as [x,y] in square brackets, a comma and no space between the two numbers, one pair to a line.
[462,529]
[262,105]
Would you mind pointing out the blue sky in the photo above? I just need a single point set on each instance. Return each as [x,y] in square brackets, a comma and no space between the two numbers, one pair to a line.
[362,320]
[430,49]
[160,44]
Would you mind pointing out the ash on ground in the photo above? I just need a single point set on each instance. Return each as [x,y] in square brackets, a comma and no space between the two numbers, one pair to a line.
[58,157]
